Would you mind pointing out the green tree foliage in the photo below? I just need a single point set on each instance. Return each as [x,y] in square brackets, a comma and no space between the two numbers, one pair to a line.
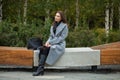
[40,14]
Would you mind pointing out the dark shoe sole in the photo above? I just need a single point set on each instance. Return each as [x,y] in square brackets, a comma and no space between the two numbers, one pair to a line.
[37,74]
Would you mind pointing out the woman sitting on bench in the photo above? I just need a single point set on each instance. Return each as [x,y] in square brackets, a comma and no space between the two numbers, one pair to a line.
[55,45]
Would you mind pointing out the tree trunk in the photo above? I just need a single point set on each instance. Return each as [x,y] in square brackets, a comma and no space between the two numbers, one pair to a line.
[47,10]
[47,17]
[77,13]
[65,8]
[25,13]
[1,10]
[107,19]
[119,16]
[111,17]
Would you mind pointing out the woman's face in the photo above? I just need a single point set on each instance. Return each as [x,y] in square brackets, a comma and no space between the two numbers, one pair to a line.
[57,17]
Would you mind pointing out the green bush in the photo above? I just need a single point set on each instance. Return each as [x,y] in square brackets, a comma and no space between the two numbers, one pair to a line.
[114,36]
[100,36]
[17,34]
[82,38]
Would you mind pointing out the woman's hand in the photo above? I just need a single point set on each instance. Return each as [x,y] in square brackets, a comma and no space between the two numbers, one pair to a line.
[47,44]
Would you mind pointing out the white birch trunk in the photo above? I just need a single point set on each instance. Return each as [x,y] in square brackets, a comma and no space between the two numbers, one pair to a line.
[77,13]
[47,12]
[107,19]
[47,17]
[111,17]
[1,10]
[25,13]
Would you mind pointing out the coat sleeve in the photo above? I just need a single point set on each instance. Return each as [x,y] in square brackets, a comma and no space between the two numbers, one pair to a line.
[60,38]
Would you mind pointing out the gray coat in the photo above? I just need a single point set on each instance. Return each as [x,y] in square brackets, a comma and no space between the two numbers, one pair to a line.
[57,42]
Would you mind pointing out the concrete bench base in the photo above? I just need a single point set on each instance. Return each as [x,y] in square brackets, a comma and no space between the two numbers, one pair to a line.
[74,57]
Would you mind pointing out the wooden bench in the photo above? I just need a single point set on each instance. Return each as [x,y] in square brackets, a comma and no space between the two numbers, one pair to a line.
[17,56]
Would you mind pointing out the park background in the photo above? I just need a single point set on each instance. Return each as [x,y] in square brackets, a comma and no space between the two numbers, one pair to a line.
[91,22]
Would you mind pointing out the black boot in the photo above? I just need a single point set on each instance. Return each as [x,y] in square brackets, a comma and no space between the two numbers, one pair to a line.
[40,70]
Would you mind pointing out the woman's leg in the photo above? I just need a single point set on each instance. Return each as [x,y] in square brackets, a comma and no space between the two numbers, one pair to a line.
[43,56]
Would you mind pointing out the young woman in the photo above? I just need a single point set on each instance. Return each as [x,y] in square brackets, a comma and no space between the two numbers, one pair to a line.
[55,45]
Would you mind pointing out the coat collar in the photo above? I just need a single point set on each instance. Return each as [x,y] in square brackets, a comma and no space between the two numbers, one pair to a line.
[59,28]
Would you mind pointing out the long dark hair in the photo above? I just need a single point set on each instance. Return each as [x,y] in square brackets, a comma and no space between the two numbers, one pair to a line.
[63,19]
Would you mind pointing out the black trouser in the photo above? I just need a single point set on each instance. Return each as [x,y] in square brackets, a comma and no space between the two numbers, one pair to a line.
[44,51]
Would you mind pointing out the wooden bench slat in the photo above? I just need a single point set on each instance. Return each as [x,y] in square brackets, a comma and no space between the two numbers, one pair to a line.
[108,46]
[110,56]
[110,52]
[110,60]
[16,56]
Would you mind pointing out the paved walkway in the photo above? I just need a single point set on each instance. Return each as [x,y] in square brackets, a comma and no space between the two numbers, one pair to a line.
[57,75]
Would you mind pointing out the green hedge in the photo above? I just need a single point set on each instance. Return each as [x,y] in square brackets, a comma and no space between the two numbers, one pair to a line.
[17,34]
[80,38]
